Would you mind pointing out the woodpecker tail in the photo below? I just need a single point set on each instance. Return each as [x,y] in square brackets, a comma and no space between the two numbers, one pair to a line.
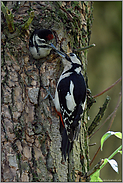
[66,145]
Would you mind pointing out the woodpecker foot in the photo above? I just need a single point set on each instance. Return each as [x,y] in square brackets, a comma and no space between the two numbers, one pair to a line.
[48,93]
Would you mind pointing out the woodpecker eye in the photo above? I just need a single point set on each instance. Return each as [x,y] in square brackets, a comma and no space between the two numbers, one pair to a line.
[68,58]
[72,54]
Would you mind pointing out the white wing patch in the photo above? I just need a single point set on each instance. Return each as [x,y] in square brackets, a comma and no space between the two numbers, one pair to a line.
[70,98]
[56,101]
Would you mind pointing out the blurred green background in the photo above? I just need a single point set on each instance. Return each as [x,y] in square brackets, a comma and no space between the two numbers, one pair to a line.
[104,68]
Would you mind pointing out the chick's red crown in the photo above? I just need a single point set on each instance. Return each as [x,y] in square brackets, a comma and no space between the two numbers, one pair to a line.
[49,37]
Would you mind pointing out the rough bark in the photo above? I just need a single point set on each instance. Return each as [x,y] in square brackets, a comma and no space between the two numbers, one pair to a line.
[30,135]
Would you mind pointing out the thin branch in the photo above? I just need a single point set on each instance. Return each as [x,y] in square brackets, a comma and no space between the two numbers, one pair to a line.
[95,155]
[93,144]
[28,22]
[95,96]
[98,117]
[85,48]
[112,119]
[111,156]
[114,112]
[9,17]
[95,168]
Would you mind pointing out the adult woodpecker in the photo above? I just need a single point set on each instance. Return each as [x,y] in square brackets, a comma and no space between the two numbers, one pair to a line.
[70,99]
[38,43]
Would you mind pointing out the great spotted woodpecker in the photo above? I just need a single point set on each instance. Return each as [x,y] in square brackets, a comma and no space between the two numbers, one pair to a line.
[38,43]
[70,97]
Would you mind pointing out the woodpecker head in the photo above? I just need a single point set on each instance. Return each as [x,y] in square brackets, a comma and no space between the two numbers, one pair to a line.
[73,58]
[38,43]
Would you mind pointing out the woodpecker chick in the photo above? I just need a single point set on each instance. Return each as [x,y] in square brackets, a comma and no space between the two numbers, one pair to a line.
[38,43]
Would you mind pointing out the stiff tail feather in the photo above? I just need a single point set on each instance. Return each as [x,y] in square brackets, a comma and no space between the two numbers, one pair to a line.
[66,145]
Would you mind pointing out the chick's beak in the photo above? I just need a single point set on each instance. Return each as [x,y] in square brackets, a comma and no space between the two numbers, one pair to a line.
[64,55]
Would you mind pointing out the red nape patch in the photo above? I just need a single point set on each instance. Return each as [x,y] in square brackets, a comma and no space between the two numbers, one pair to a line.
[60,117]
[50,36]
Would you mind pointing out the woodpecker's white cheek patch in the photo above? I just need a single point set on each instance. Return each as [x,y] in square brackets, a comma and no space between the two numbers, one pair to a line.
[70,98]
[75,60]
[33,40]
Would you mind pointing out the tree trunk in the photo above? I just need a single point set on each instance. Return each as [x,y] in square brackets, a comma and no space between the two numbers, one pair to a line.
[30,135]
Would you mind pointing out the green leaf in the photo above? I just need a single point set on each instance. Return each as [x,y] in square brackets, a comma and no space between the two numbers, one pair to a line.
[113,164]
[105,137]
[118,134]
[108,134]
[95,177]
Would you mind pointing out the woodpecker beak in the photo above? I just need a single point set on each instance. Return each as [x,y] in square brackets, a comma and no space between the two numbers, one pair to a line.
[64,55]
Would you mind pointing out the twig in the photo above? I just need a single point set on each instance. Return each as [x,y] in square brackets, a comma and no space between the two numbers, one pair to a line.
[111,156]
[95,96]
[9,17]
[114,113]
[119,101]
[98,117]
[95,168]
[92,144]
[95,155]
[28,22]
[85,48]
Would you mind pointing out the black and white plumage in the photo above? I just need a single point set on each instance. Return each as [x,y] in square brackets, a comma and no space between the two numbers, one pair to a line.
[69,99]
[38,43]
